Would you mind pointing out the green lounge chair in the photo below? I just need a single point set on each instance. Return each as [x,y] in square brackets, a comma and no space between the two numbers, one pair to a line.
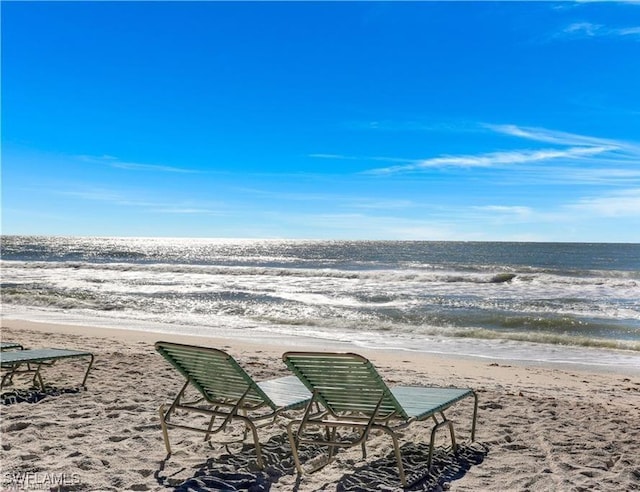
[32,361]
[10,345]
[354,396]
[227,392]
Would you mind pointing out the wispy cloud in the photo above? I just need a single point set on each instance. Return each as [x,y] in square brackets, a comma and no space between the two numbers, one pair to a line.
[101,195]
[552,136]
[517,211]
[591,30]
[362,158]
[576,175]
[635,2]
[118,199]
[332,156]
[133,166]
[185,210]
[363,226]
[381,204]
[612,151]
[566,148]
[571,147]
[624,203]
[494,159]
[348,200]
[621,204]
[403,126]
[289,195]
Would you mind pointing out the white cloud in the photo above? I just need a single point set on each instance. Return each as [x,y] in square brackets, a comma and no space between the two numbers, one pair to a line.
[607,151]
[625,203]
[591,30]
[556,137]
[133,166]
[334,198]
[332,156]
[634,2]
[494,159]
[185,210]
[517,211]
[602,158]
[118,199]
[290,195]
[570,147]
[630,31]
[361,158]
[569,159]
[362,226]
[598,176]
[586,28]
[100,195]
[382,204]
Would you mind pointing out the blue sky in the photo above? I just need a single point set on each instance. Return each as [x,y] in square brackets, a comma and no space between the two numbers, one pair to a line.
[414,120]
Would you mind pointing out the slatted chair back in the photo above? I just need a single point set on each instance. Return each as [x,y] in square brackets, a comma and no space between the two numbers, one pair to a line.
[345,383]
[215,374]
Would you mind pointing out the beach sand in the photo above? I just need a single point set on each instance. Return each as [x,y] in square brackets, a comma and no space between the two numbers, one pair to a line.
[539,428]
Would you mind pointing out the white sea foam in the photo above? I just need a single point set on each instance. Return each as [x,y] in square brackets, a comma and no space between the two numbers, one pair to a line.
[234,327]
[471,297]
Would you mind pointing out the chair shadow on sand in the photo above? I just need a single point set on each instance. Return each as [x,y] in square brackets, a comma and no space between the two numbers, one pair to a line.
[239,472]
[33,394]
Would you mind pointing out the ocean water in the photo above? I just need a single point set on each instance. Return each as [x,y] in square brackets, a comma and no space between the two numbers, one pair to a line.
[550,302]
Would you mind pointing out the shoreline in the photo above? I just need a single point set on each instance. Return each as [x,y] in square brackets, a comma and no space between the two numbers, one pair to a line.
[538,428]
[629,361]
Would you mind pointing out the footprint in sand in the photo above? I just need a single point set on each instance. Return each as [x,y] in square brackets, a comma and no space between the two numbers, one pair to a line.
[16,426]
[117,438]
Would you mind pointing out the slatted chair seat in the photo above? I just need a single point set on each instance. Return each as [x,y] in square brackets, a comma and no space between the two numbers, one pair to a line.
[354,396]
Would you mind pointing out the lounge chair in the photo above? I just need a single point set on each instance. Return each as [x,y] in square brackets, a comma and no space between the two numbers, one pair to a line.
[32,361]
[10,345]
[227,391]
[354,396]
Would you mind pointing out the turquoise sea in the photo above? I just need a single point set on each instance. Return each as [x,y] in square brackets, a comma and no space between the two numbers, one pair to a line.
[550,302]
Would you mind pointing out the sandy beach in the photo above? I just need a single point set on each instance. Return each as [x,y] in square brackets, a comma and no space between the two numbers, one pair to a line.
[539,428]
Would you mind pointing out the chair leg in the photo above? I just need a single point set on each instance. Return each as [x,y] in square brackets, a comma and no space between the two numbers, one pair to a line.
[37,378]
[475,416]
[165,432]
[207,435]
[454,445]
[86,374]
[396,450]
[165,415]
[7,379]
[294,446]
[332,450]
[433,437]
[256,442]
